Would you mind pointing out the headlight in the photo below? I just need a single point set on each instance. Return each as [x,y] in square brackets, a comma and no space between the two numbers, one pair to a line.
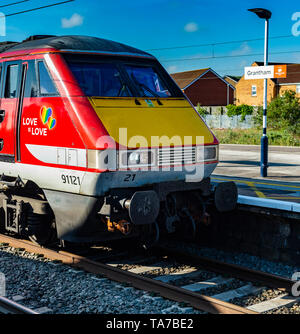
[210,153]
[207,153]
[137,158]
[134,158]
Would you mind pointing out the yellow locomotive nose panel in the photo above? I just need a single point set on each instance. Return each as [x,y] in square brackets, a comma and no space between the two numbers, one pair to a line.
[146,120]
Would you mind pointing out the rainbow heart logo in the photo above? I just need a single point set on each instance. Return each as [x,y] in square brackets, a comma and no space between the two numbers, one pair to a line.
[47,118]
[51,123]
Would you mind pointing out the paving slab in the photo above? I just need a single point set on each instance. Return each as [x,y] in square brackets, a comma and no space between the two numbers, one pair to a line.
[241,164]
[244,161]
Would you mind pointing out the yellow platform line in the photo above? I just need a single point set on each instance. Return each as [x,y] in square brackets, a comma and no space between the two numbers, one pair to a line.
[257,192]
[292,197]
[256,182]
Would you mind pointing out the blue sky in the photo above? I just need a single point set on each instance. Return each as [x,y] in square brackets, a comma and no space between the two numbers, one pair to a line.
[156,24]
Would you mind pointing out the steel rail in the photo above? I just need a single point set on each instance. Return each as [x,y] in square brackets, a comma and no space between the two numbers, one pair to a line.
[243,273]
[198,301]
[10,307]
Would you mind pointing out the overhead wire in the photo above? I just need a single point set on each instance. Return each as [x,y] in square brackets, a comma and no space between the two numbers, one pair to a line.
[13,3]
[217,43]
[228,56]
[37,8]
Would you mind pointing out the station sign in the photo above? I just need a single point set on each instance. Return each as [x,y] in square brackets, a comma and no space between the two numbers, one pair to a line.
[265,72]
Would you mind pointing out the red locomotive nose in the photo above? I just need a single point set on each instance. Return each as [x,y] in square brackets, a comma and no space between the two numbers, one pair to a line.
[95,137]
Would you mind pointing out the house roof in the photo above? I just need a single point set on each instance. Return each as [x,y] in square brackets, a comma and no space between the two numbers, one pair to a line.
[261,63]
[234,78]
[184,79]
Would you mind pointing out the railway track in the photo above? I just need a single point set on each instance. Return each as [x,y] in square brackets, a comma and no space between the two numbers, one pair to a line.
[10,307]
[184,284]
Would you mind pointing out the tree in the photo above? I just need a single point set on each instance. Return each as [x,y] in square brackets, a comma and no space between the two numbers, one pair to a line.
[284,112]
[242,110]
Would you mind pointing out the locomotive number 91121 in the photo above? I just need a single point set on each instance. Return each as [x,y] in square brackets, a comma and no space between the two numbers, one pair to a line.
[69,179]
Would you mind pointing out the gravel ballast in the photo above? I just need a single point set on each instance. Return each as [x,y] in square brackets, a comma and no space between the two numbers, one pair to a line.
[241,259]
[64,290]
[40,283]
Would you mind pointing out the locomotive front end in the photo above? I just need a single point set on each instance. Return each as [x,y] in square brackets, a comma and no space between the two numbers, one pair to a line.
[152,169]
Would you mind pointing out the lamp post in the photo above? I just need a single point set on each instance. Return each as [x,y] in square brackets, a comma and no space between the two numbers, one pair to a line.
[266,15]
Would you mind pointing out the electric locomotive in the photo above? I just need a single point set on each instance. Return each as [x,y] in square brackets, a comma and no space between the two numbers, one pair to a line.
[97,142]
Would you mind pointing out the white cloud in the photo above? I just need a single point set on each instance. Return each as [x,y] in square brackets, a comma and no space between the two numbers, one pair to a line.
[242,50]
[191,27]
[75,21]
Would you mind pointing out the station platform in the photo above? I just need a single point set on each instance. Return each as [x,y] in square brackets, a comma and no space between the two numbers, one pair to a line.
[280,190]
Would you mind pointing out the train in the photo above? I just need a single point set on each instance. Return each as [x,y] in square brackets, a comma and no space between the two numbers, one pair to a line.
[97,142]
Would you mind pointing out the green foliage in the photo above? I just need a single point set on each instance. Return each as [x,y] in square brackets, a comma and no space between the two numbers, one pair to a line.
[202,111]
[284,113]
[253,137]
[283,123]
[258,117]
[242,110]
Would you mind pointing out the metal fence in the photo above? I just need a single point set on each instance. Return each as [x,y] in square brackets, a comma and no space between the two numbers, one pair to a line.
[226,122]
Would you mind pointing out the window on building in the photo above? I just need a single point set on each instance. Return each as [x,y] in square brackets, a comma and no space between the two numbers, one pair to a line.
[47,86]
[254,91]
[11,81]
[298,89]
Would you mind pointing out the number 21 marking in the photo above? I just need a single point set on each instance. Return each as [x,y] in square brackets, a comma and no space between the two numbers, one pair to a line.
[130,178]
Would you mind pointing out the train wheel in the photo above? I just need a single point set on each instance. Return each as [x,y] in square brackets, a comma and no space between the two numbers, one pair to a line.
[40,229]
[149,235]
[187,229]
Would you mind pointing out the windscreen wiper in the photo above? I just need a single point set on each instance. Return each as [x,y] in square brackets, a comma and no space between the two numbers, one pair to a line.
[124,85]
[143,86]
[122,89]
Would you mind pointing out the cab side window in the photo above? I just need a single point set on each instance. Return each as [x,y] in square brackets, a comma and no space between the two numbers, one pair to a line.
[31,85]
[11,82]
[46,84]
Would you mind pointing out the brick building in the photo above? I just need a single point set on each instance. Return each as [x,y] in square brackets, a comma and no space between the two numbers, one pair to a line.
[205,87]
[251,91]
